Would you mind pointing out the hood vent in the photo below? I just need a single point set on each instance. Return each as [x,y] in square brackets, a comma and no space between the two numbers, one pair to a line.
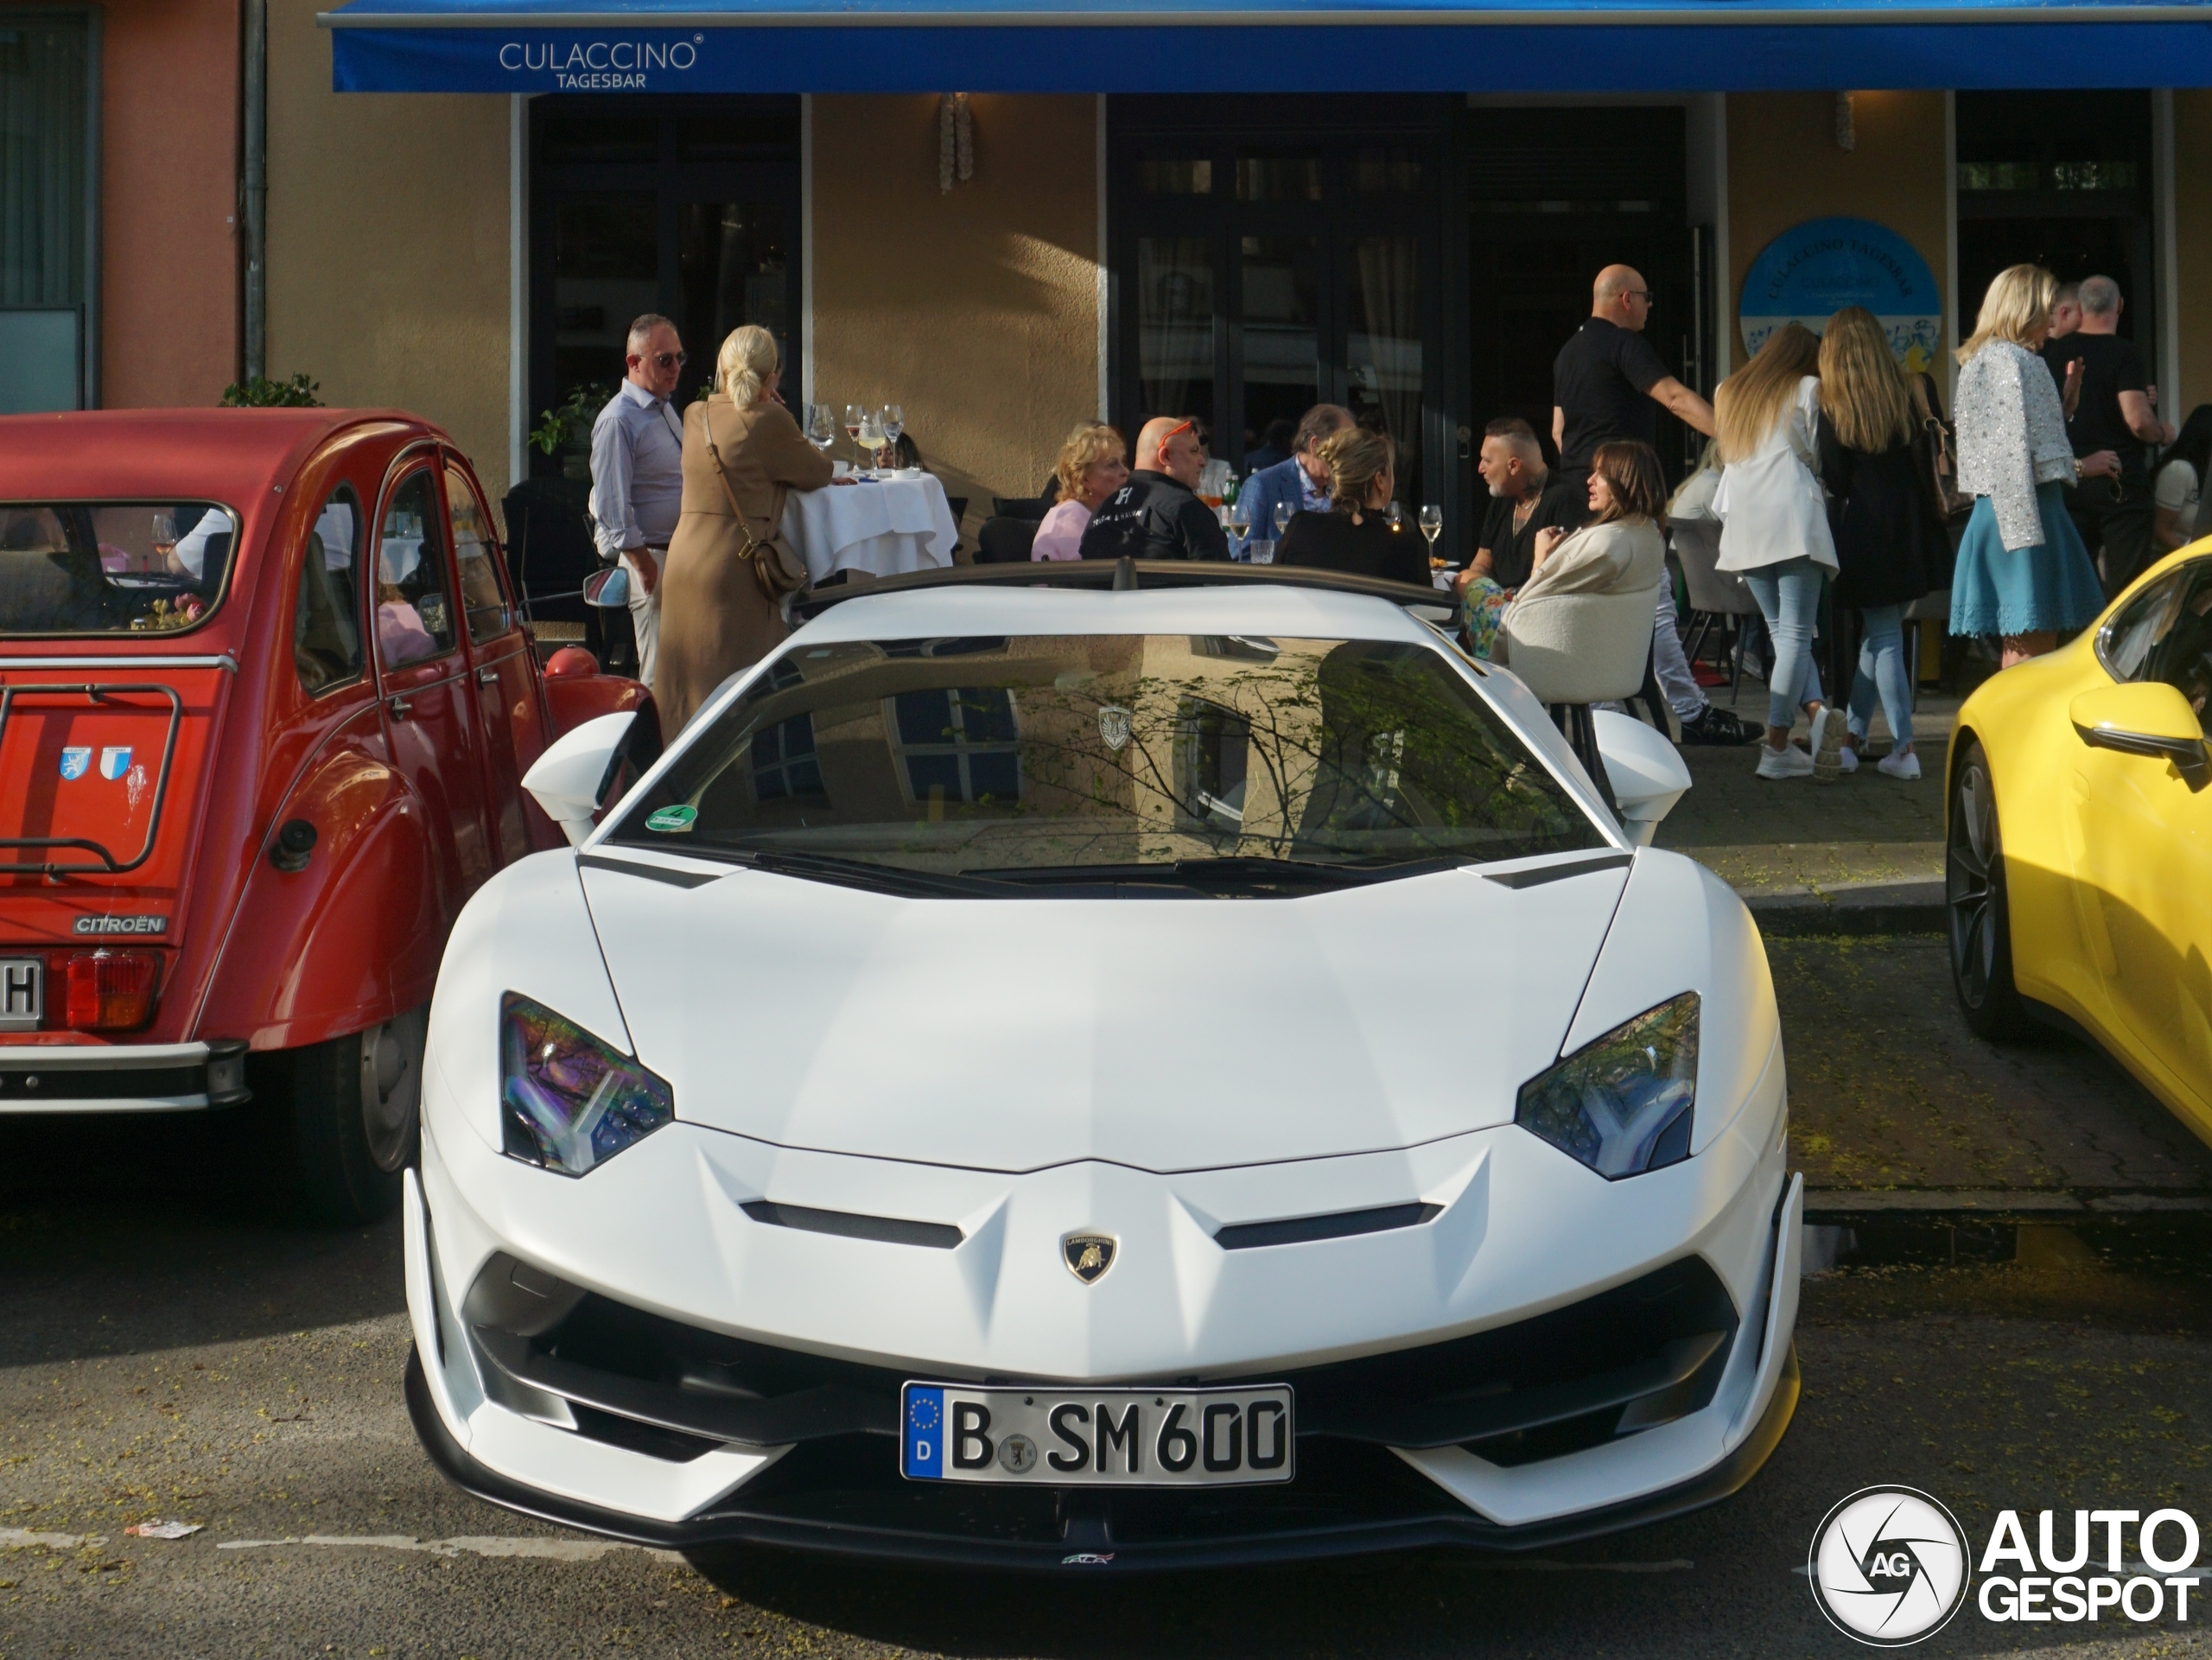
[1343,1224]
[891,1229]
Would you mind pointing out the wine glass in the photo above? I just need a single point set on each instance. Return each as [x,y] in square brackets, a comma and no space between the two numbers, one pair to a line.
[894,423]
[820,427]
[1283,510]
[164,539]
[1238,516]
[1431,526]
[870,439]
[1397,516]
[854,416]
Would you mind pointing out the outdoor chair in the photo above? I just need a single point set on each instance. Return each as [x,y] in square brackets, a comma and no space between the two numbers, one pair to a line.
[1005,541]
[1573,650]
[1716,595]
[1033,508]
[1929,606]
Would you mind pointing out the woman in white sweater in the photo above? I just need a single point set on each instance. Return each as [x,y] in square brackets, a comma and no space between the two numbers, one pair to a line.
[1774,529]
[2021,572]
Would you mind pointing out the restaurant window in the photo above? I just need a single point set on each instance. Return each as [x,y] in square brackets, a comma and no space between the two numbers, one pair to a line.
[785,766]
[46,186]
[958,746]
[1275,254]
[687,208]
[327,616]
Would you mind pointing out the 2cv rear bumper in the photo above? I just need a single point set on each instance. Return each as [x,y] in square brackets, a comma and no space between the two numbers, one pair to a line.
[47,1077]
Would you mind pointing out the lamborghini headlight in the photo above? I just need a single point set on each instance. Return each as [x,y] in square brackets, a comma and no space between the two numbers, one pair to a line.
[567,1101]
[1622,1105]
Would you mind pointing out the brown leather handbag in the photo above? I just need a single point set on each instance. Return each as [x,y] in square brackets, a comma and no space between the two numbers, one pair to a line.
[1933,448]
[775,567]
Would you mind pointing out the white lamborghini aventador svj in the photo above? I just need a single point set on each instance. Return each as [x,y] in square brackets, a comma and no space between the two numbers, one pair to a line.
[1037,1074]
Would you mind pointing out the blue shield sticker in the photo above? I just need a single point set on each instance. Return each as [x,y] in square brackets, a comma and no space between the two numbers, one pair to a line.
[115,762]
[922,1443]
[74,761]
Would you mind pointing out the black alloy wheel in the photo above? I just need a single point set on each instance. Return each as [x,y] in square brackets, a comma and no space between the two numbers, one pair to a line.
[1979,925]
[356,1105]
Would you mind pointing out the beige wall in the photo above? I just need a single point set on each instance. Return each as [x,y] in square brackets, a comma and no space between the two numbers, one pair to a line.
[2193,248]
[1785,167]
[977,310]
[388,273]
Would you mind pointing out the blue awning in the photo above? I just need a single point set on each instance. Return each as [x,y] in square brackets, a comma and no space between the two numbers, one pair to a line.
[1260,46]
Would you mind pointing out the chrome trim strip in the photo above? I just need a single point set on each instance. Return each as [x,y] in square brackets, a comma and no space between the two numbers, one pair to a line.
[98,1057]
[120,662]
[14,1107]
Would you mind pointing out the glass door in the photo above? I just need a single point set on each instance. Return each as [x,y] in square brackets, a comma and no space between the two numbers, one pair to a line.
[687,208]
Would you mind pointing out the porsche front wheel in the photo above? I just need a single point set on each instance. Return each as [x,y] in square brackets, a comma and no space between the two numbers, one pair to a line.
[1976,913]
[355,1103]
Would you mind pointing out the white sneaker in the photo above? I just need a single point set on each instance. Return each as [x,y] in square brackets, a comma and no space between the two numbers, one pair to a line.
[1788,761]
[1847,759]
[1906,766]
[1828,745]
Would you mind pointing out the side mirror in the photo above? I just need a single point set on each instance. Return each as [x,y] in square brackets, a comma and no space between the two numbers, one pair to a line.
[1646,772]
[572,778]
[2149,718]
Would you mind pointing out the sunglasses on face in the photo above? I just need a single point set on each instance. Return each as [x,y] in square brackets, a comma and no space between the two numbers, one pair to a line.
[668,360]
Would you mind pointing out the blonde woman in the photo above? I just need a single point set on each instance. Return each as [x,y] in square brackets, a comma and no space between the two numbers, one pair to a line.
[742,452]
[1356,535]
[1093,464]
[1774,530]
[1890,545]
[2021,571]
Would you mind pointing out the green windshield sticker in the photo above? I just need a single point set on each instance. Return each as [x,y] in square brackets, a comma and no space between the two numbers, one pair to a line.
[672,820]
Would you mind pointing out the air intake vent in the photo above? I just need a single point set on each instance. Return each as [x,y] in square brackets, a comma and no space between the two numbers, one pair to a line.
[1344,1224]
[891,1229]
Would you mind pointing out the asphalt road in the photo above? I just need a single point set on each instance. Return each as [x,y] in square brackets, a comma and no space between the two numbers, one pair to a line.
[171,1349]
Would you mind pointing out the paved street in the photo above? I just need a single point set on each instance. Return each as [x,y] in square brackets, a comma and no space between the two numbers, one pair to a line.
[169,1350]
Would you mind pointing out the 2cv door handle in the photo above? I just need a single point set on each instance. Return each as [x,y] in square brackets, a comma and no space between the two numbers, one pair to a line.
[401,708]
[487,675]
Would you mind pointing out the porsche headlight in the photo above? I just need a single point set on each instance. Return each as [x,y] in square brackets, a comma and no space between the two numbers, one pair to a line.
[1622,1105]
[567,1101]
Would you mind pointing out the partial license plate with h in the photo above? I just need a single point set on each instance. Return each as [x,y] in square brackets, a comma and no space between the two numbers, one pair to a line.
[1061,1437]
[22,992]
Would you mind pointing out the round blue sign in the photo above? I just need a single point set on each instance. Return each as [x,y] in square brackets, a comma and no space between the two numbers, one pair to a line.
[1812,270]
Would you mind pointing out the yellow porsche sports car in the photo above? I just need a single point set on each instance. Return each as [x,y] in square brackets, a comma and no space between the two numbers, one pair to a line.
[2078,857]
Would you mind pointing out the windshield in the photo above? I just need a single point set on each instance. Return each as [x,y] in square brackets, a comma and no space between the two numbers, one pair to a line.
[1117,757]
[111,568]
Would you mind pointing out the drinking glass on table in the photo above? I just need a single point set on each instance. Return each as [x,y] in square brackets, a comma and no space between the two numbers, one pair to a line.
[894,423]
[1237,515]
[854,416]
[871,440]
[1283,510]
[164,539]
[1397,516]
[1431,526]
[1263,550]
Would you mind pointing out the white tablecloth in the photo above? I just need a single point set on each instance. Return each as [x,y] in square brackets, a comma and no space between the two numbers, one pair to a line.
[886,528]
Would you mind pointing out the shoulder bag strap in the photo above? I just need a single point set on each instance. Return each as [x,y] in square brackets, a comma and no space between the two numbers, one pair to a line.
[722,477]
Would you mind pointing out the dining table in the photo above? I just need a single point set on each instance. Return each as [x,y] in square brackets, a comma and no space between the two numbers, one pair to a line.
[884,526]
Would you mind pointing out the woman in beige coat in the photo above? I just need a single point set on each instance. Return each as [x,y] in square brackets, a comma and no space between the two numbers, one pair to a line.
[715,618]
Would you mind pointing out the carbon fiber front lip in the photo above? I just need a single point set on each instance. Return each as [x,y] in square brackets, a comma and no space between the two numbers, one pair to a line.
[739,1526]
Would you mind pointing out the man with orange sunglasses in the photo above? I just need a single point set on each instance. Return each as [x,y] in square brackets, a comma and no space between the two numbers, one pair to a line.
[1157,514]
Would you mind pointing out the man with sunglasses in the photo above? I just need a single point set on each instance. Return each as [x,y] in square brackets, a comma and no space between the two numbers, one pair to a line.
[1157,514]
[637,474]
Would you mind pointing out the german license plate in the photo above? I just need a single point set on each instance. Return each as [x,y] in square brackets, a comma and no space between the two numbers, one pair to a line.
[1058,1437]
[22,992]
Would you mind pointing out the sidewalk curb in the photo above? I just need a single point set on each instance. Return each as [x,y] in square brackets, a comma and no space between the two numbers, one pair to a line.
[1939,1205]
[1888,909]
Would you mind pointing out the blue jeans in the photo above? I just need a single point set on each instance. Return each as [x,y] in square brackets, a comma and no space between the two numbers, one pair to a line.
[1881,666]
[1789,599]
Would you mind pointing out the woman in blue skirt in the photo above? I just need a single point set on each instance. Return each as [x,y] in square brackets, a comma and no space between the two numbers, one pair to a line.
[2021,571]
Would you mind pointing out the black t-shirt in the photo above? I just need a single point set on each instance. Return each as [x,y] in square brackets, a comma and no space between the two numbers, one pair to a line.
[1152,517]
[1602,380]
[2110,365]
[1513,553]
[1332,542]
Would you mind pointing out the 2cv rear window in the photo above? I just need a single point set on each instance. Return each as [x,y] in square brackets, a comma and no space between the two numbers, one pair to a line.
[111,567]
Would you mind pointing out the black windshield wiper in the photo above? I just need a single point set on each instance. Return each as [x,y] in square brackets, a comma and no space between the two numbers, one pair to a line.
[1222,874]
[860,872]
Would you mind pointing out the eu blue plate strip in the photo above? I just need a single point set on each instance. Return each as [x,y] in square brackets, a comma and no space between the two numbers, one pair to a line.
[921,1442]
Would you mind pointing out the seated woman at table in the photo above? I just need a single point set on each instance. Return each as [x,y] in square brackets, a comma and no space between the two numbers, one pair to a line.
[1094,463]
[1355,535]
[742,452]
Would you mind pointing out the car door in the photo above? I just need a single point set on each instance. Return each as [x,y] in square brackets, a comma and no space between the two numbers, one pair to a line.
[2142,841]
[429,715]
[503,682]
